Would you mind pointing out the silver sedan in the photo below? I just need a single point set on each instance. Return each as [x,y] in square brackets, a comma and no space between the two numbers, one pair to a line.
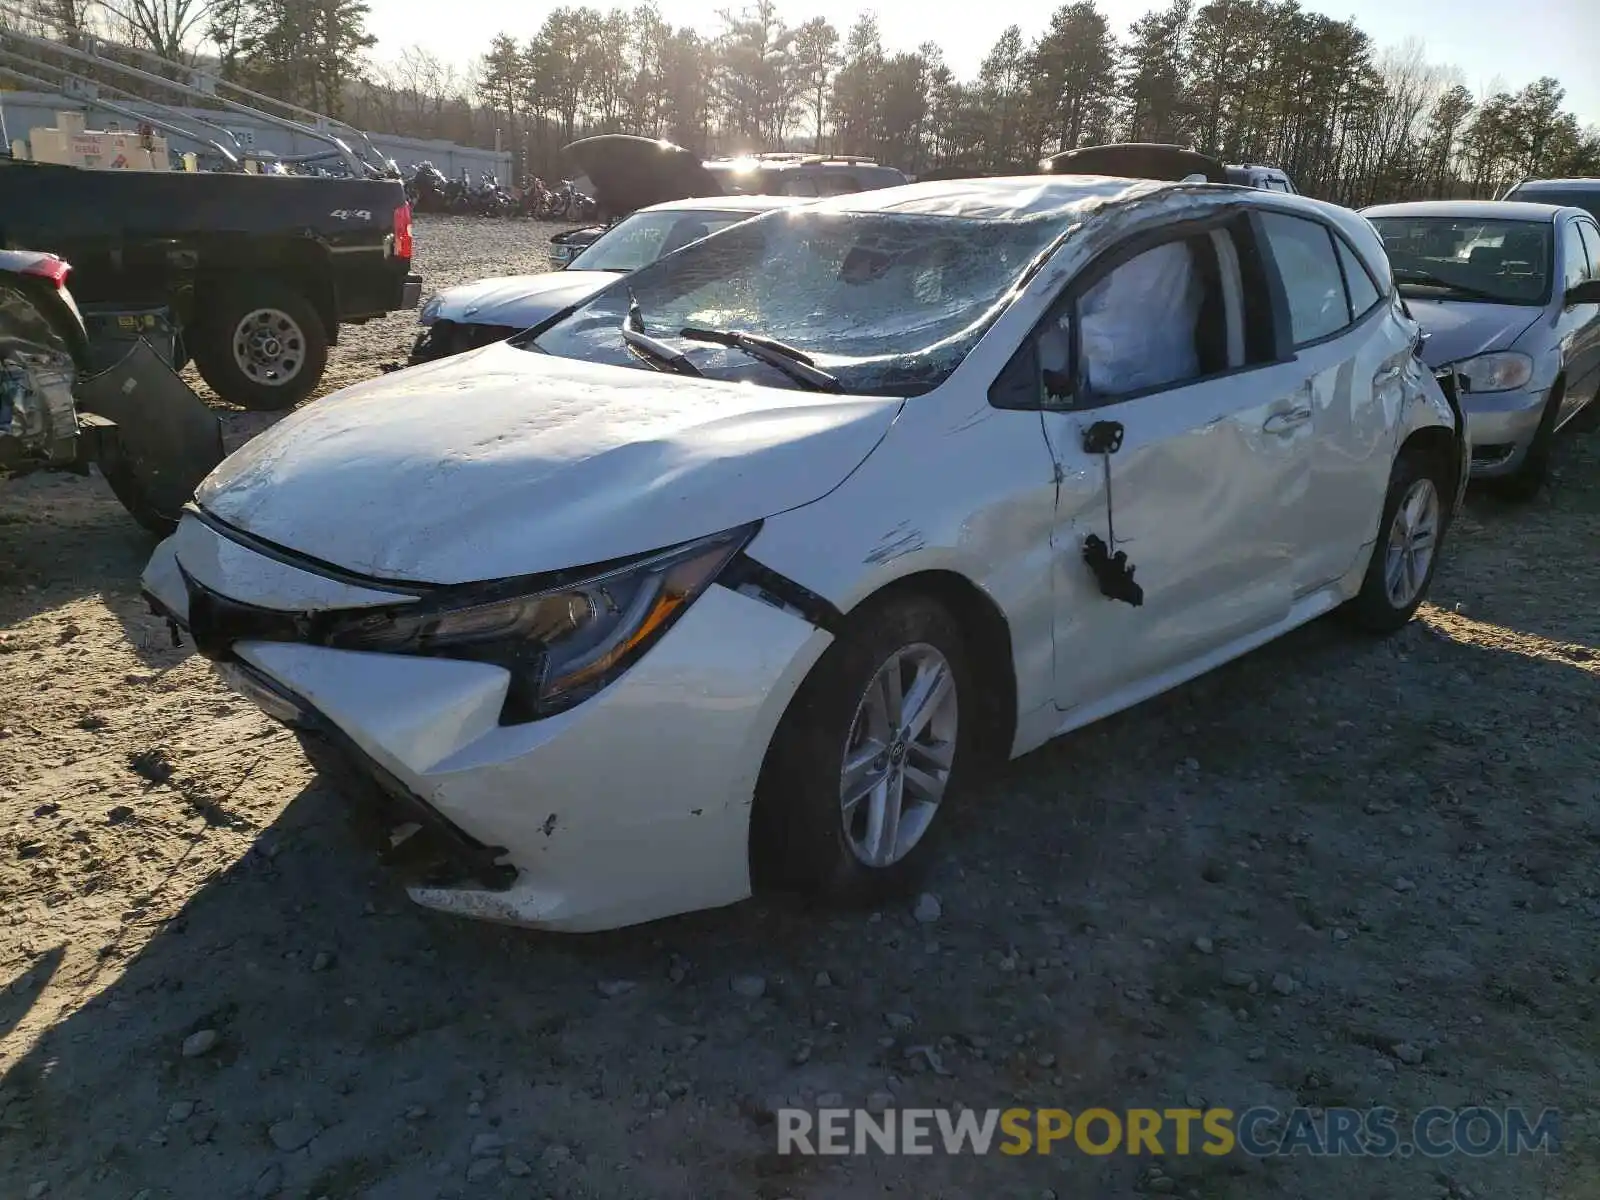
[1508,293]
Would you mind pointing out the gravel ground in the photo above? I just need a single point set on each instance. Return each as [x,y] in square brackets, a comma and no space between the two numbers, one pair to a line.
[1336,872]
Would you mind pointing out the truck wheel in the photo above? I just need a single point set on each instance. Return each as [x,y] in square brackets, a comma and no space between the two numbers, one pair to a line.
[262,347]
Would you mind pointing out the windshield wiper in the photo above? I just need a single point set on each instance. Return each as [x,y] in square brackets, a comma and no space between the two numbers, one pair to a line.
[796,364]
[1409,275]
[658,354]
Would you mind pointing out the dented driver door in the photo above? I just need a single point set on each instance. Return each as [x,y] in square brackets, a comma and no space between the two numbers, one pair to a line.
[1194,482]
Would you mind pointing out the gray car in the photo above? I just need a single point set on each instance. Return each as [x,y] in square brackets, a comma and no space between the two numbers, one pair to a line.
[1508,293]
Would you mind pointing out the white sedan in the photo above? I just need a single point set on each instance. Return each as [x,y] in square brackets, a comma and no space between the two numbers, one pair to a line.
[731,578]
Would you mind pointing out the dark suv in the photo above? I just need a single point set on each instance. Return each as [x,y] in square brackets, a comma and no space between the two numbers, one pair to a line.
[1574,193]
[792,174]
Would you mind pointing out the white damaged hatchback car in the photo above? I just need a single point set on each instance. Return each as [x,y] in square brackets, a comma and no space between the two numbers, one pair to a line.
[729,578]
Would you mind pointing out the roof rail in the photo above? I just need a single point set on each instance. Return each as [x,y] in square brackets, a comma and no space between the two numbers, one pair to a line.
[183,80]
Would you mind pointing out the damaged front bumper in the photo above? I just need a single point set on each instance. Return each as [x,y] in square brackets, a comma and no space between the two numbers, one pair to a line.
[632,806]
[435,851]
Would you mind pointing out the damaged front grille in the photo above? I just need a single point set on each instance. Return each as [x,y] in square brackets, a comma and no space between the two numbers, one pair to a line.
[217,622]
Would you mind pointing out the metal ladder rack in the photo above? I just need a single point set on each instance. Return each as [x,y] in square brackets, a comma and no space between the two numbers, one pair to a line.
[207,89]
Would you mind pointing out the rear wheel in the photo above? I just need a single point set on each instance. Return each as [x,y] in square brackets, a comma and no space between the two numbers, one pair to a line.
[866,759]
[1407,551]
[263,347]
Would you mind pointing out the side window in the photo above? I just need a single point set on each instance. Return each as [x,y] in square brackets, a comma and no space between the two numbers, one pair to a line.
[1306,260]
[1156,321]
[1574,262]
[800,185]
[1591,243]
[1363,292]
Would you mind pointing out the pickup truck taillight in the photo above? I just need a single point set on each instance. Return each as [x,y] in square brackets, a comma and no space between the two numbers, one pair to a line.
[50,267]
[402,231]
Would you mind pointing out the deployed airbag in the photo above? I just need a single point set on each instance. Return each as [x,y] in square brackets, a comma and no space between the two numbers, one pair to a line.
[1137,325]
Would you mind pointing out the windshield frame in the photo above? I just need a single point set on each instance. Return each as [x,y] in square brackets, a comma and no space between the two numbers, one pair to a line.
[1054,229]
[1444,293]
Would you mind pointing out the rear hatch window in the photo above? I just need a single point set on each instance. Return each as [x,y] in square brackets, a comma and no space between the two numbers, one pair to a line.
[1586,199]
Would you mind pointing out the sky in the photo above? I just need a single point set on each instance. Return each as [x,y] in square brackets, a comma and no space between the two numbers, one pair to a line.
[1495,43]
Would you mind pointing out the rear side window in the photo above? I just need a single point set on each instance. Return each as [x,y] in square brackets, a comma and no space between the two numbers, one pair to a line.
[800,185]
[1309,265]
[837,183]
[1363,292]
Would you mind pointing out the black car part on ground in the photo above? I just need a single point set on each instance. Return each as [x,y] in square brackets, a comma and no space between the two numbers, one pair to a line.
[1137,160]
[199,244]
[166,441]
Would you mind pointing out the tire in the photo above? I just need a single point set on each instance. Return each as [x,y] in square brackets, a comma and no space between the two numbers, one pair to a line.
[1524,483]
[801,839]
[1380,607]
[274,330]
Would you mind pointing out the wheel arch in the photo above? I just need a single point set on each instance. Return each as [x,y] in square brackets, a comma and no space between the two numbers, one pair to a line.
[1438,445]
[989,644]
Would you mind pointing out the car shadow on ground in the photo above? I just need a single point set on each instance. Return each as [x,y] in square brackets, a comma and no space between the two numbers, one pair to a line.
[364,1046]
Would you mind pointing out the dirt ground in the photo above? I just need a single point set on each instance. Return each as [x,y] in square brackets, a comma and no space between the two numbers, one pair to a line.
[1336,872]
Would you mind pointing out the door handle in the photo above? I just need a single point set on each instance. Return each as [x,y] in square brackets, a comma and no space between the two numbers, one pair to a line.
[1286,422]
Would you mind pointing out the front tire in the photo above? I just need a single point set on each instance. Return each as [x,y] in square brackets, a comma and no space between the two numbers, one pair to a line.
[866,759]
[1406,555]
[263,347]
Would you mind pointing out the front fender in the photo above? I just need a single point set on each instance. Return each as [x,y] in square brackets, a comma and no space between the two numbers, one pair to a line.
[897,516]
[1434,402]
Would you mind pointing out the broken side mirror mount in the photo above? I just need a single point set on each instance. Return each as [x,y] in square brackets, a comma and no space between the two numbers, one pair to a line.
[1110,566]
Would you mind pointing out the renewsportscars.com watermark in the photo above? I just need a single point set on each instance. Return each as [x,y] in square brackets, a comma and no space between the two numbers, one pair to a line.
[1260,1132]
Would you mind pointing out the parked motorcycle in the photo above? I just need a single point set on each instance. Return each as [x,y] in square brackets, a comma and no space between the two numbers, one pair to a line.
[567,201]
[535,199]
[428,189]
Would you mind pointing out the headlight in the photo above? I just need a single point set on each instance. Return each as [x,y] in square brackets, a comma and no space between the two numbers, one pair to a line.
[1502,372]
[561,644]
[429,313]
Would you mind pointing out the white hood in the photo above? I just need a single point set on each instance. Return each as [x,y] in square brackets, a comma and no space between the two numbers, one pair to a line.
[506,462]
[520,301]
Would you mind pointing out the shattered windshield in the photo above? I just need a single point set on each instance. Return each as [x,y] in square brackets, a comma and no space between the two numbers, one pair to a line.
[1468,258]
[889,303]
[645,237]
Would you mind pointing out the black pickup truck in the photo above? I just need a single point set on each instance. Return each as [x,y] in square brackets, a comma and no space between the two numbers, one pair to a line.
[258,271]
